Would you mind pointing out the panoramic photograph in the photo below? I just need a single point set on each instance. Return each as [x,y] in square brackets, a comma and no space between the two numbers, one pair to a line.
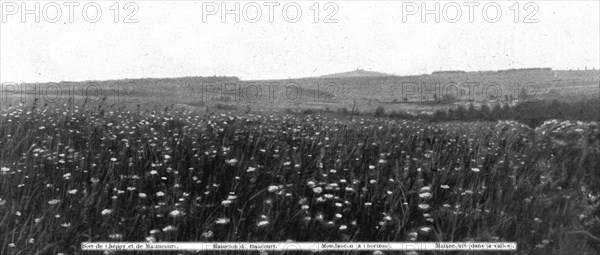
[306,127]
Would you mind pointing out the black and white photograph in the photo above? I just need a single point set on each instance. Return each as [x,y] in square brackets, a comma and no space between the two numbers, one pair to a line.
[299,127]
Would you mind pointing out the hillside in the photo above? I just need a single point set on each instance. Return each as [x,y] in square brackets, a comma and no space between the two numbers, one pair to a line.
[365,90]
[355,73]
[478,86]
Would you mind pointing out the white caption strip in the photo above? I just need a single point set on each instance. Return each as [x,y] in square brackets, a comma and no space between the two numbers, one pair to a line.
[291,246]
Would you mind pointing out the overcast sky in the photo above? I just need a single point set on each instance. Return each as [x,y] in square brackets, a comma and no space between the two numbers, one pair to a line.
[170,39]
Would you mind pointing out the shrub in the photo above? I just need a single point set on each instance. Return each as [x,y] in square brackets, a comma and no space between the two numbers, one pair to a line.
[379,111]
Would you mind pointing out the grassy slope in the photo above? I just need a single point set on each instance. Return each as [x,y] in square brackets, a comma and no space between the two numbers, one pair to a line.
[98,173]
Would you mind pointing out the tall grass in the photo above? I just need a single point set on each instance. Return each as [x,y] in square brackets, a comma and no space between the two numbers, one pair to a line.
[79,173]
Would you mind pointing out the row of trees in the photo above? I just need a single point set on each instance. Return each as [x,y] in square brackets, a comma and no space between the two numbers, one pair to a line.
[530,113]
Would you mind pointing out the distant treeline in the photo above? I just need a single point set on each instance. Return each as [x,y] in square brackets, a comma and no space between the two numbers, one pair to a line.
[518,70]
[529,113]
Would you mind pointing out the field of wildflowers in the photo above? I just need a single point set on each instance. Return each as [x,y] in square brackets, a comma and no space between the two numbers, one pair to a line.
[91,173]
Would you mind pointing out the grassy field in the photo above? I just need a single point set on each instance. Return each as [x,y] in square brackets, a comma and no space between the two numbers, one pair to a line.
[91,172]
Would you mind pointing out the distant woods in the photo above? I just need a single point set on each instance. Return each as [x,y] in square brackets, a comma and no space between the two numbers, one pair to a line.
[529,113]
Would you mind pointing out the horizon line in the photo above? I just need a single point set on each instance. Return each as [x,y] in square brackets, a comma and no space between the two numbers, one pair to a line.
[307,77]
